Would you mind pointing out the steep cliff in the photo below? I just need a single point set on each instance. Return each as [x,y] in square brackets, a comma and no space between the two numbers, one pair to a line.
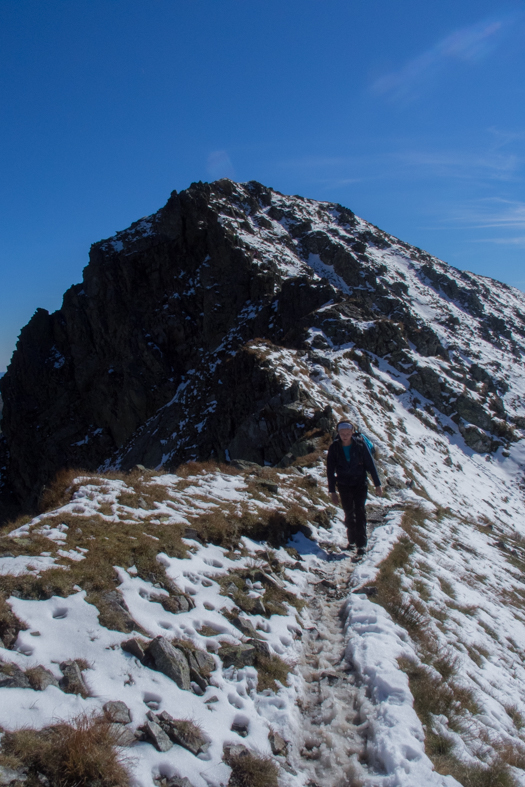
[212,327]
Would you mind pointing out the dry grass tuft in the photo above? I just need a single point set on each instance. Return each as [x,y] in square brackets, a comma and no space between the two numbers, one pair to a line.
[108,544]
[271,669]
[252,770]
[67,755]
[10,625]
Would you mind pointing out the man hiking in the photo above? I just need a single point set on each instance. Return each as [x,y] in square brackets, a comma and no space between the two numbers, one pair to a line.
[348,461]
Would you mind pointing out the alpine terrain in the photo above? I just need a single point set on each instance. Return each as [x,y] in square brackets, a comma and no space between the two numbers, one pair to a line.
[177,608]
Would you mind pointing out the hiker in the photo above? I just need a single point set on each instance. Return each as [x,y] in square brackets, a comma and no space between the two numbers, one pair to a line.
[349,460]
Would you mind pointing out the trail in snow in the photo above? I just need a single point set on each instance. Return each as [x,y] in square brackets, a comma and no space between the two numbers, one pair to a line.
[333,734]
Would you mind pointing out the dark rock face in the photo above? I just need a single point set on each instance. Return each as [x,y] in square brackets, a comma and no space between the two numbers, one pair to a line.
[197,332]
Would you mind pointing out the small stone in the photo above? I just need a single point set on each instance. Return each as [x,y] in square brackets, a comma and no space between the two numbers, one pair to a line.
[261,646]
[241,728]
[232,750]
[191,534]
[259,608]
[232,589]
[12,677]
[72,682]
[182,732]
[238,655]
[278,744]
[117,711]
[40,678]
[245,626]
[137,647]
[157,736]
[169,660]
[10,777]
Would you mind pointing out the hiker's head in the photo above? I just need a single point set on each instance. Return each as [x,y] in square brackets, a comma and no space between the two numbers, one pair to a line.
[345,430]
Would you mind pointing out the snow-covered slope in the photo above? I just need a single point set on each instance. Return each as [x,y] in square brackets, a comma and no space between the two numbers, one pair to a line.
[157,357]
[315,315]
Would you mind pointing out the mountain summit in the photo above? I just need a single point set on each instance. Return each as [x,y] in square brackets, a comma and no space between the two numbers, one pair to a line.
[217,328]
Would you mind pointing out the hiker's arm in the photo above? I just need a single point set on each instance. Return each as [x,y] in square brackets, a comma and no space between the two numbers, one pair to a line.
[330,474]
[371,467]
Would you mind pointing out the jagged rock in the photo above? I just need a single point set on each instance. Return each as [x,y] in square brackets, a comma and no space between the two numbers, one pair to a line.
[72,682]
[182,732]
[12,677]
[40,678]
[156,735]
[238,655]
[278,744]
[12,778]
[259,608]
[117,711]
[260,645]
[475,438]
[113,599]
[137,647]
[204,298]
[235,750]
[242,728]
[175,603]
[245,626]
[169,660]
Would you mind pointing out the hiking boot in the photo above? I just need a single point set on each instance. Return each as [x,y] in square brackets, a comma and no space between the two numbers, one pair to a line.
[361,551]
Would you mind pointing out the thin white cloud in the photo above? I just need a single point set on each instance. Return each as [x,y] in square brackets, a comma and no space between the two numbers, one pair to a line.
[469,45]
[495,212]
[219,165]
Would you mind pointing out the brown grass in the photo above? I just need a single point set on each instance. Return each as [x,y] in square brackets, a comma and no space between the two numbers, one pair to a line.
[269,670]
[68,755]
[252,770]
[108,543]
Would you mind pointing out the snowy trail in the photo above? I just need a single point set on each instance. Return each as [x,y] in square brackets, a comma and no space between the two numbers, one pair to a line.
[333,730]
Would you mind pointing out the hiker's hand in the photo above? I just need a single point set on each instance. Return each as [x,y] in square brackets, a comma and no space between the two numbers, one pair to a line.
[335,498]
[379,491]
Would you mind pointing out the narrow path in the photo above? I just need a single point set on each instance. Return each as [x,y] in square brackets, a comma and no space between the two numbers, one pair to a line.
[332,751]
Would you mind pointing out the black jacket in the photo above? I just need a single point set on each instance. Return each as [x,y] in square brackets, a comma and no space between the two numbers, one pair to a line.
[352,473]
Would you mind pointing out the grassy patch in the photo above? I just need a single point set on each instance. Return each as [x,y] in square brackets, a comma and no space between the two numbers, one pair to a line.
[80,753]
[107,544]
[252,770]
[269,670]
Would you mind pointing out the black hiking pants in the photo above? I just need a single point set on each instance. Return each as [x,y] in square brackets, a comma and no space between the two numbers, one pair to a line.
[353,499]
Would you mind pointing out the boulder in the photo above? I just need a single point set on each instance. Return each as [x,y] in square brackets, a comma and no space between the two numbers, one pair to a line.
[40,678]
[156,735]
[278,744]
[12,677]
[137,647]
[117,711]
[238,655]
[182,732]
[72,682]
[245,626]
[166,658]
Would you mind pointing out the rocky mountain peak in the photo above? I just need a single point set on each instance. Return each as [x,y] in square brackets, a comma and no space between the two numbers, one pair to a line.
[221,325]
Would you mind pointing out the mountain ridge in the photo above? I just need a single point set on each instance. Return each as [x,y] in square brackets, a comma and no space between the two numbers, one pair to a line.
[160,355]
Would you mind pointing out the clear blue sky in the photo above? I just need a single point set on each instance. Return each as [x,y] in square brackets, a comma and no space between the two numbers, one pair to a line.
[412,114]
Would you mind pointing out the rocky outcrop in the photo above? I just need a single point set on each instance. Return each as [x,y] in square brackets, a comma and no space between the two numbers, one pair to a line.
[197,332]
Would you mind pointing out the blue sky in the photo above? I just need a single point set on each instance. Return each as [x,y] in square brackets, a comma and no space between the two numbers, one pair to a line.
[412,114]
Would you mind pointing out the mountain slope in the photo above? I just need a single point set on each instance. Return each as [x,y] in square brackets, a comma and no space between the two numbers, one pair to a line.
[200,331]
[299,313]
